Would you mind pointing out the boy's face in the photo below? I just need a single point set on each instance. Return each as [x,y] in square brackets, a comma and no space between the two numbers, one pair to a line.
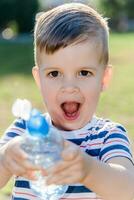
[70,81]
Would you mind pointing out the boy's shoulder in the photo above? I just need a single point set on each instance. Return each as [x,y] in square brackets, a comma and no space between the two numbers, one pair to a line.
[18,124]
[112,138]
[108,125]
[103,128]
[17,128]
[96,126]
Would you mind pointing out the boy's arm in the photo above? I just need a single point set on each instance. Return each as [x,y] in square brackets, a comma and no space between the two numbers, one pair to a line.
[5,174]
[14,161]
[16,128]
[111,180]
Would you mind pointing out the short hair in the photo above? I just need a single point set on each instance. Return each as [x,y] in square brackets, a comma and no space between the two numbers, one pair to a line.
[67,24]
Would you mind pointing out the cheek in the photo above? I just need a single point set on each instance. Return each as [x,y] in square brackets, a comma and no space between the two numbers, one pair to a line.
[92,92]
[48,94]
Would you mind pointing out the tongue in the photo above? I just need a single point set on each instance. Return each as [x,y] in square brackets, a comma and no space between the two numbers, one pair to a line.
[70,107]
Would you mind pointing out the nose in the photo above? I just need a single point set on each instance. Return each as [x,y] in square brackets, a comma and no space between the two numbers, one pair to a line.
[70,87]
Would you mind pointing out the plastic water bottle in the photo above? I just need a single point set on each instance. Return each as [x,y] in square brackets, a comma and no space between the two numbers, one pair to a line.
[44,146]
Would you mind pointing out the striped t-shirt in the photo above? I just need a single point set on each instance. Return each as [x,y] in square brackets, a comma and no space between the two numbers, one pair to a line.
[100,138]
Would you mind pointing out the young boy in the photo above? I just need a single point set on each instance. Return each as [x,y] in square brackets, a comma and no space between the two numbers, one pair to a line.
[71,55]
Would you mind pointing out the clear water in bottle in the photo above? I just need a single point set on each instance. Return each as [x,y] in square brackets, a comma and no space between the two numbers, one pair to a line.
[44,146]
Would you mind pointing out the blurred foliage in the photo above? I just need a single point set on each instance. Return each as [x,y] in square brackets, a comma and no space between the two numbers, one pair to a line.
[22,12]
[129,7]
[119,12]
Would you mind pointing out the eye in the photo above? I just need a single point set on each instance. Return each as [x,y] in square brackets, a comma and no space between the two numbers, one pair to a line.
[54,74]
[85,73]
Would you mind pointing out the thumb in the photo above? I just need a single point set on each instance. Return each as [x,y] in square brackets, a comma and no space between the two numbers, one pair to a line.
[70,151]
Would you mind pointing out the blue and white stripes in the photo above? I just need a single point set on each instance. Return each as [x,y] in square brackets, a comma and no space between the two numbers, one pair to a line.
[101,139]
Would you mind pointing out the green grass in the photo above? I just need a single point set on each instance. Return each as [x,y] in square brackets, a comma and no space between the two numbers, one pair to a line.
[117,103]
[5,193]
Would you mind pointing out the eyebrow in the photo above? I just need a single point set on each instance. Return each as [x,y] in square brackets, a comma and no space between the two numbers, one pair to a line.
[89,67]
[58,68]
[49,69]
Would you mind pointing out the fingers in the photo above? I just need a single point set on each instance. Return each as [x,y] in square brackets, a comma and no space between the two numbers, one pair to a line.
[70,175]
[15,160]
[62,165]
[28,165]
[72,169]
[20,170]
[19,159]
[70,156]
[29,174]
[13,149]
[66,180]
[14,168]
[19,154]
[70,151]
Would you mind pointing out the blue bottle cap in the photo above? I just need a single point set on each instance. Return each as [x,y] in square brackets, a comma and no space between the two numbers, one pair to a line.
[37,124]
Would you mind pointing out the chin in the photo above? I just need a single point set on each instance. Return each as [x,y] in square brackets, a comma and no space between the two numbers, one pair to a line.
[70,127]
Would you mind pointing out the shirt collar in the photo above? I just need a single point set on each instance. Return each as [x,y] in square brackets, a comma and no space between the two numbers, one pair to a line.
[74,133]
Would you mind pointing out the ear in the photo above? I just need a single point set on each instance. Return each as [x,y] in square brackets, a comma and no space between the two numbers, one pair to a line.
[35,72]
[106,77]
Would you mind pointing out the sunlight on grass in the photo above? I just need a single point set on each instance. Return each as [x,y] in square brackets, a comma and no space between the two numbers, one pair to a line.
[117,102]
[5,193]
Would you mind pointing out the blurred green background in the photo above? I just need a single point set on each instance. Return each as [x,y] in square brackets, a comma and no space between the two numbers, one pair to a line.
[16,61]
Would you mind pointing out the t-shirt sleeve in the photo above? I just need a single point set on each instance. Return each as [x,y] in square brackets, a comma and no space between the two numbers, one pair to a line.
[17,128]
[116,144]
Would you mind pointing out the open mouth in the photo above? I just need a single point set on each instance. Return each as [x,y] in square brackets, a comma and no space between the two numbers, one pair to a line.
[71,110]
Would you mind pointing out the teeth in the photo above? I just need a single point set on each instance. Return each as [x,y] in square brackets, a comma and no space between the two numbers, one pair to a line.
[71,114]
[70,107]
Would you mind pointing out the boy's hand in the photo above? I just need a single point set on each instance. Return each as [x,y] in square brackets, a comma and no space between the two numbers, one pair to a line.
[74,167]
[15,160]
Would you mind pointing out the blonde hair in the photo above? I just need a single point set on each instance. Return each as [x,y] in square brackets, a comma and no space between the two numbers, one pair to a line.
[69,23]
